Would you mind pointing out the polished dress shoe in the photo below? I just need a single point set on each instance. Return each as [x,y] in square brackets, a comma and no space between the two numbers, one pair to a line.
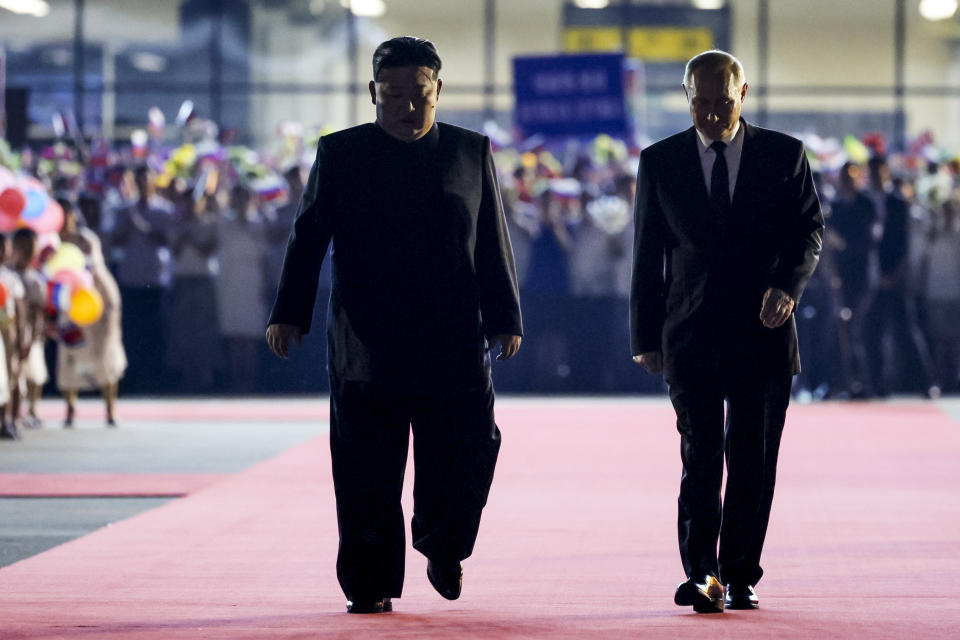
[741,596]
[446,578]
[704,594]
[369,606]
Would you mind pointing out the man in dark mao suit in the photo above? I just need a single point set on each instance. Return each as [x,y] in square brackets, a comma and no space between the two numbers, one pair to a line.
[424,286]
[728,231]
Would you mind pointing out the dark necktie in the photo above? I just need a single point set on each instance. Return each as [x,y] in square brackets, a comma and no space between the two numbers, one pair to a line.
[719,180]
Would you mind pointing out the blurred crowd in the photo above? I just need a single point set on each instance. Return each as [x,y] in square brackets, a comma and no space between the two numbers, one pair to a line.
[195,236]
[880,315]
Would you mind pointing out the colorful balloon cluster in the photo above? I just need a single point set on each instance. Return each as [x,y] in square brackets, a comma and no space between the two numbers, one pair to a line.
[24,202]
[70,286]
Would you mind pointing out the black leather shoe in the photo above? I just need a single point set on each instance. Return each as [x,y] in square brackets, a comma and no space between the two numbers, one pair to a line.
[367,606]
[704,594]
[387,605]
[741,596]
[446,578]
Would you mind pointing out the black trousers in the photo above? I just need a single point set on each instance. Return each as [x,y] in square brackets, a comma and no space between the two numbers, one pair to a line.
[748,437]
[893,310]
[455,447]
[144,339]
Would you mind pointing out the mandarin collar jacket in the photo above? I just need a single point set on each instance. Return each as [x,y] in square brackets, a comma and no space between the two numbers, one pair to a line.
[423,268]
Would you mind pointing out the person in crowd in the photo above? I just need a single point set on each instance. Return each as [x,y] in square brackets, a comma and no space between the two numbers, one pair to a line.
[33,371]
[93,356]
[241,306]
[921,226]
[119,193]
[424,288]
[193,334]
[601,243]
[547,287]
[817,320]
[891,303]
[879,186]
[142,234]
[852,220]
[523,218]
[12,319]
[728,232]
[278,228]
[89,214]
[942,293]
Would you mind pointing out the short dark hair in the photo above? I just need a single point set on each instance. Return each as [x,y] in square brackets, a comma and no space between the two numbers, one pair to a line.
[404,51]
[23,235]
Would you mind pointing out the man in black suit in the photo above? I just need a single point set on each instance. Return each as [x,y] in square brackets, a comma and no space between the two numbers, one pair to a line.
[728,231]
[424,286]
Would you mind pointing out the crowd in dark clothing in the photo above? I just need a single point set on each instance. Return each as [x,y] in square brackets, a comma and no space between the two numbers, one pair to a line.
[197,262]
[880,317]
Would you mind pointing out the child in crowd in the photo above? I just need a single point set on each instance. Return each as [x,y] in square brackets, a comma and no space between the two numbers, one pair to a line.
[34,367]
[94,358]
[12,315]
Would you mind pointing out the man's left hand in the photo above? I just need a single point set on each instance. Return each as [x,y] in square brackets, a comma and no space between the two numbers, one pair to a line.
[509,345]
[777,307]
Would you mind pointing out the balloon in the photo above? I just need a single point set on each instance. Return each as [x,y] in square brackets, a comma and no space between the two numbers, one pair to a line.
[12,202]
[58,296]
[50,220]
[86,307]
[3,295]
[36,203]
[73,278]
[8,223]
[856,150]
[67,256]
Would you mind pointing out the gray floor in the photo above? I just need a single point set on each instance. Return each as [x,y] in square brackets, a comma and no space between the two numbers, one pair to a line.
[29,526]
[951,406]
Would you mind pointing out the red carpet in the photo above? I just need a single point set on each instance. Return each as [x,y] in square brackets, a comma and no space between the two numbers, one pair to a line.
[578,542]
[103,485]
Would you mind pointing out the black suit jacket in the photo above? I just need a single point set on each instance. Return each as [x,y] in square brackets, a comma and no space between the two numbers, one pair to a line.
[699,278]
[419,279]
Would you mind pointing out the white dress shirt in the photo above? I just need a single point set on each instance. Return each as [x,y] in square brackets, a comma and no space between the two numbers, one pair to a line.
[732,154]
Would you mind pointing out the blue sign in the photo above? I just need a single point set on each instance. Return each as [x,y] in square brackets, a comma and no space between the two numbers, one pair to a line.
[570,95]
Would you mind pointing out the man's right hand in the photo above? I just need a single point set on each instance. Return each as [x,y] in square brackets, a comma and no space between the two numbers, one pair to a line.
[279,336]
[652,361]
